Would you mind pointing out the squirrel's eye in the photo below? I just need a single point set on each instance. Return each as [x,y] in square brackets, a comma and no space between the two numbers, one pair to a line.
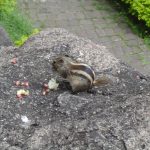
[66,55]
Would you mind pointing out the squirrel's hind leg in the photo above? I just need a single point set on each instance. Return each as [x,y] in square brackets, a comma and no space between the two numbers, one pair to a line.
[78,84]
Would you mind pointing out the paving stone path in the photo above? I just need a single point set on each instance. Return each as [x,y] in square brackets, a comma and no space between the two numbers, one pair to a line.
[104,26]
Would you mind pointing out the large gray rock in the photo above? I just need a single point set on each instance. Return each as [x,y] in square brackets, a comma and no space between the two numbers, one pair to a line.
[4,38]
[116,117]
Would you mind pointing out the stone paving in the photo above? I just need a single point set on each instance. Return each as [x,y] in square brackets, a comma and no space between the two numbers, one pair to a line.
[104,26]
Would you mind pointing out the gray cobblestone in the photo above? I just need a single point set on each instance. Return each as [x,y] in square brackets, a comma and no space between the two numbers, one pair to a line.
[104,26]
[132,43]
[86,22]
[92,14]
[62,23]
[109,32]
[104,39]
[73,22]
[100,33]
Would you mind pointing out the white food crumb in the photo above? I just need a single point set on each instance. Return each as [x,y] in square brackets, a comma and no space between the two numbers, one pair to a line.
[25,119]
[26,122]
[52,84]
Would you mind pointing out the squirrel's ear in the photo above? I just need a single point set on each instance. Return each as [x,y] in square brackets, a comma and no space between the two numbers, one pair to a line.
[61,60]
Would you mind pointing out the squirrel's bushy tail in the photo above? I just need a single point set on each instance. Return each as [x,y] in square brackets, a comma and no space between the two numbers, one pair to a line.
[101,81]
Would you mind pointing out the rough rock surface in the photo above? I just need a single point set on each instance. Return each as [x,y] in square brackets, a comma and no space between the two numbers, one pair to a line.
[115,117]
[4,39]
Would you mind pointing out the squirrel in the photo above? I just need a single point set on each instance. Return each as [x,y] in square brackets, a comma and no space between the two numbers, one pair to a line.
[80,76]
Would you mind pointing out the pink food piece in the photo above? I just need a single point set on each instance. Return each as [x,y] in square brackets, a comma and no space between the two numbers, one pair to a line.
[19,96]
[44,93]
[45,85]
[26,84]
[17,83]
[14,61]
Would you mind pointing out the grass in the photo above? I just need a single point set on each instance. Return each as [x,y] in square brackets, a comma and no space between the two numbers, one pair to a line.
[16,25]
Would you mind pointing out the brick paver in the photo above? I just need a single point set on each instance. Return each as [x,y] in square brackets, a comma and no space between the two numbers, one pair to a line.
[104,26]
